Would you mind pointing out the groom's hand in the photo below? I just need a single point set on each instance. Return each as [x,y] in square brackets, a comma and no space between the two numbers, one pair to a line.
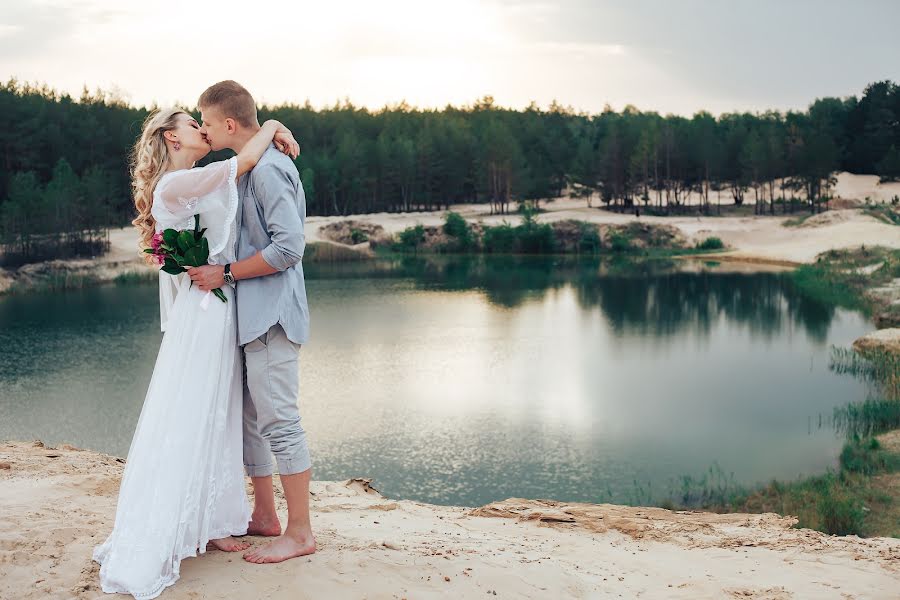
[208,277]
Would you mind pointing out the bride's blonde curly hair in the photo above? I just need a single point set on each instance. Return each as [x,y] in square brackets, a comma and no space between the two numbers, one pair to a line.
[148,163]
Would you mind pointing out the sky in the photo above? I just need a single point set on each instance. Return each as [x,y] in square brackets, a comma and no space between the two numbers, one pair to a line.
[671,56]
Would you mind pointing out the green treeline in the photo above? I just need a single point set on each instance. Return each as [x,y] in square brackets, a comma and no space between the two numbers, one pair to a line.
[64,177]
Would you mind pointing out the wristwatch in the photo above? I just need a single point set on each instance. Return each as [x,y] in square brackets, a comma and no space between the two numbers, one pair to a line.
[229,278]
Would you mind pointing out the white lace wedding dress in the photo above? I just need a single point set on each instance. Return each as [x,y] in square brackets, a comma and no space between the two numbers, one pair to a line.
[184,482]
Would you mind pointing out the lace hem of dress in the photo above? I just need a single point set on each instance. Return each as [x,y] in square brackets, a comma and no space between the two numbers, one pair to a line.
[100,553]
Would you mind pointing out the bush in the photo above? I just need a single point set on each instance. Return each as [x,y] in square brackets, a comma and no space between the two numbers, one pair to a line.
[711,243]
[590,238]
[358,237]
[457,227]
[499,239]
[841,513]
[619,242]
[535,238]
[530,237]
[865,457]
[412,237]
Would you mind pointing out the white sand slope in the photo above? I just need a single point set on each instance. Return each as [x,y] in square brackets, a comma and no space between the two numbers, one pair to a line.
[859,187]
[56,504]
[752,238]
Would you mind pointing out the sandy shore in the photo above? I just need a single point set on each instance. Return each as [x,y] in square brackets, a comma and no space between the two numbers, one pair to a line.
[753,239]
[56,504]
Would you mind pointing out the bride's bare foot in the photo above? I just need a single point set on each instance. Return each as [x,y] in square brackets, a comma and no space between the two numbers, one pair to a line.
[228,544]
[290,545]
[265,526]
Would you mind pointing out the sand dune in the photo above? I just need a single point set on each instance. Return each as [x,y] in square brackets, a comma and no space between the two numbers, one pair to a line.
[56,504]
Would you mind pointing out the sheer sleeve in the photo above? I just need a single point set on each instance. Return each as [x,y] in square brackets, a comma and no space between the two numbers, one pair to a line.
[186,193]
[210,192]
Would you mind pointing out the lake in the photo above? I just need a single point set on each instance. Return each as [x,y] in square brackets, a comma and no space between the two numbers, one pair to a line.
[468,380]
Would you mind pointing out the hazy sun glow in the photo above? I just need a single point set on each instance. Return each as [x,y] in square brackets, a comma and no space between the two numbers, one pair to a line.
[583,53]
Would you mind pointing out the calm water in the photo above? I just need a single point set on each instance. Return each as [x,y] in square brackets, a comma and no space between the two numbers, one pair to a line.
[466,381]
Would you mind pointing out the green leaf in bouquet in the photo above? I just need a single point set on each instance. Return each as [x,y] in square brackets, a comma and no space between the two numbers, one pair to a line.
[180,260]
[204,244]
[171,267]
[198,235]
[185,240]
[196,257]
[172,270]
[149,250]
[170,237]
[220,294]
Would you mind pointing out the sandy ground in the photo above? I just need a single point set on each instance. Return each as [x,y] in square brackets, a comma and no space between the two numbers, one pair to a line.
[762,239]
[753,239]
[56,504]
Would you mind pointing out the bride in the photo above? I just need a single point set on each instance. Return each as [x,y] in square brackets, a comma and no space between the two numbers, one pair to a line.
[183,485]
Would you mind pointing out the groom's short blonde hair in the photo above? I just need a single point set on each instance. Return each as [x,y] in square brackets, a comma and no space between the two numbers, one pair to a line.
[232,99]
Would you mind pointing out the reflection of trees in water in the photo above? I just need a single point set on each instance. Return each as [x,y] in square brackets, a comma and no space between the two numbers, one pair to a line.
[635,296]
[671,302]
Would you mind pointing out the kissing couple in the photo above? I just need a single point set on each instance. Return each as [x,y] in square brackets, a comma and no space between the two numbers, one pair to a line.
[223,397]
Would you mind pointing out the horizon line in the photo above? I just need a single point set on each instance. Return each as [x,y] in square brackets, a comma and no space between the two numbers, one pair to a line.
[119,96]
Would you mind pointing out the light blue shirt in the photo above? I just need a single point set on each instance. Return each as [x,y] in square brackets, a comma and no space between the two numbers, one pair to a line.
[271,219]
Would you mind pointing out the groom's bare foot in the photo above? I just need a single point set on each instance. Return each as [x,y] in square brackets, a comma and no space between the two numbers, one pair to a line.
[229,544]
[290,545]
[265,526]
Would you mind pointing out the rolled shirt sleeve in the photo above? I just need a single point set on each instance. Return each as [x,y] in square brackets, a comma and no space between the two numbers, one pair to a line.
[284,208]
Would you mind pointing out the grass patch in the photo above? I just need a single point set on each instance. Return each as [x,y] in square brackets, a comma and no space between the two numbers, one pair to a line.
[878,367]
[136,277]
[795,221]
[867,457]
[55,281]
[326,252]
[885,213]
[834,503]
[830,287]
[870,417]
[840,276]
[711,243]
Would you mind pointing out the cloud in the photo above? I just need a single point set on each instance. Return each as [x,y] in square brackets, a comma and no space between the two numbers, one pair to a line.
[30,28]
[35,28]
[667,56]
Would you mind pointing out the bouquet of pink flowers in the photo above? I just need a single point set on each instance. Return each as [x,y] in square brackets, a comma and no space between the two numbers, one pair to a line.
[175,250]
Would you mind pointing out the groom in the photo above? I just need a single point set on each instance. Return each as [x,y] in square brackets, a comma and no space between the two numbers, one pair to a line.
[272,321]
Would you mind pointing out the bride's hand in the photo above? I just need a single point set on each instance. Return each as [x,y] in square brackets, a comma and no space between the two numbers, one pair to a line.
[283,138]
[285,142]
